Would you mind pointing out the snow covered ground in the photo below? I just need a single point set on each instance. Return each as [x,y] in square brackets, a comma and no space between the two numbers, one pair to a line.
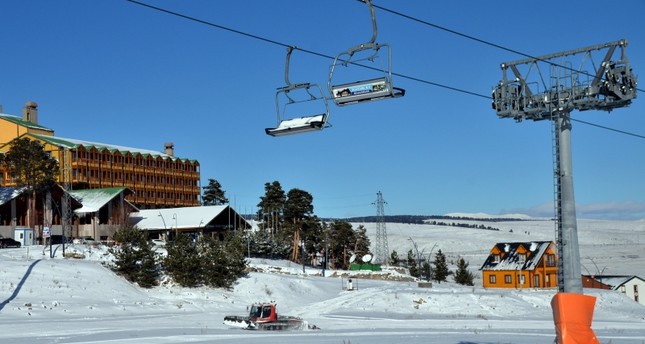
[56,300]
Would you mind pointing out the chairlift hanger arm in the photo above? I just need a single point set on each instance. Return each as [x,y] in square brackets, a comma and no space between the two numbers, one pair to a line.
[286,66]
[287,125]
[371,43]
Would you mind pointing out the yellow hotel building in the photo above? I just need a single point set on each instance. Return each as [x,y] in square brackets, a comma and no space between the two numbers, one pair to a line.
[157,179]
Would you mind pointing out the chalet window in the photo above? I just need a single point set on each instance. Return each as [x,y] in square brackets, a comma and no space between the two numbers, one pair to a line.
[550,260]
[536,281]
[492,279]
[508,279]
[521,258]
[496,258]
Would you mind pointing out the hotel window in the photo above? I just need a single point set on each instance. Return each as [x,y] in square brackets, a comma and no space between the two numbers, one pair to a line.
[492,279]
[508,279]
[521,258]
[496,258]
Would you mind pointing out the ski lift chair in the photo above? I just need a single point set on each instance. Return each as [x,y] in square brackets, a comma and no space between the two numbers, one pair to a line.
[294,94]
[366,90]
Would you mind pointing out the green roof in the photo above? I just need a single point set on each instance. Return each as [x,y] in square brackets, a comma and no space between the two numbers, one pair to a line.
[22,122]
[74,143]
[94,199]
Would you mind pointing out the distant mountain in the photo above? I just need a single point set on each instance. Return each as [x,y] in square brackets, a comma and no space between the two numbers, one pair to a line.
[420,219]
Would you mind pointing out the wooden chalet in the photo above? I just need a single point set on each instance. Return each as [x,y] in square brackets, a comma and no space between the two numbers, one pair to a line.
[521,265]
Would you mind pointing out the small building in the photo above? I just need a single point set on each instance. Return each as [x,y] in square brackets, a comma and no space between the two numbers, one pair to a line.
[45,213]
[521,265]
[590,281]
[630,286]
[103,212]
[25,236]
[204,220]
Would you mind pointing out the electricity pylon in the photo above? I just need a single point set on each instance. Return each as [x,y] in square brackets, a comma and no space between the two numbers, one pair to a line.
[381,250]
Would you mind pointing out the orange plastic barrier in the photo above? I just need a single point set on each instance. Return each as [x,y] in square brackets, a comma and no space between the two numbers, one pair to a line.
[572,315]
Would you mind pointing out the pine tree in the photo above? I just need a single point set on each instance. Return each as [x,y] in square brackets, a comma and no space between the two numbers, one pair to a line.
[236,262]
[222,262]
[412,264]
[440,267]
[212,262]
[272,205]
[263,245]
[29,165]
[298,205]
[462,275]
[213,193]
[134,258]
[394,258]
[426,271]
[148,267]
[362,241]
[183,262]
[341,242]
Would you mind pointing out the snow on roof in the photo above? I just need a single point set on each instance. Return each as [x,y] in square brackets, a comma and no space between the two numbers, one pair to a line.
[511,259]
[615,281]
[9,193]
[74,143]
[185,217]
[94,199]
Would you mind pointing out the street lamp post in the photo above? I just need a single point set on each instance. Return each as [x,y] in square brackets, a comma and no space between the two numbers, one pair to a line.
[174,217]
[164,224]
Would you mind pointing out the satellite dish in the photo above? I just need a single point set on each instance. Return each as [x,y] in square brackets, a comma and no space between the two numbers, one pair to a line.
[352,258]
[367,258]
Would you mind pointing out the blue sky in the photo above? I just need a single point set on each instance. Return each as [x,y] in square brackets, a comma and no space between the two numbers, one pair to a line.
[120,73]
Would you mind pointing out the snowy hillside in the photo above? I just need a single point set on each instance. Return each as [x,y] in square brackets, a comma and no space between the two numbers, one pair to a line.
[79,301]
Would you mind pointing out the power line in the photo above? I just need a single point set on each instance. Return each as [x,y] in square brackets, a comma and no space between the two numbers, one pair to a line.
[456,89]
[421,21]
[264,39]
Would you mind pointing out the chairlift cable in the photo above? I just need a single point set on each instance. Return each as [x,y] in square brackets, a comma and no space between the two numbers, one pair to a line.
[607,128]
[494,45]
[311,52]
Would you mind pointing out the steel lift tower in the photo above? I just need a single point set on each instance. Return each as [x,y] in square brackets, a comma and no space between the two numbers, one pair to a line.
[597,82]
[381,251]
